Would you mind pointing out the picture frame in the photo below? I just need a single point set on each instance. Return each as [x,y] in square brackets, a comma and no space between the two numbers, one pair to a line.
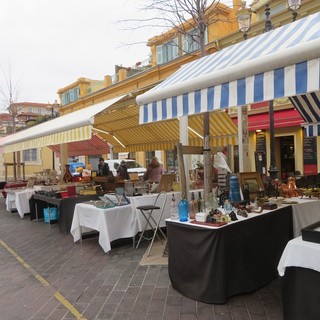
[253,181]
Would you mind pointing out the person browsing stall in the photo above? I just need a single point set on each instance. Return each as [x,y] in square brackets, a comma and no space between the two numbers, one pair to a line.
[154,171]
[103,168]
[122,171]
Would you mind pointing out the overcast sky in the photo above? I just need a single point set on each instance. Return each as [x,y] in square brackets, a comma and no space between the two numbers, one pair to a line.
[50,44]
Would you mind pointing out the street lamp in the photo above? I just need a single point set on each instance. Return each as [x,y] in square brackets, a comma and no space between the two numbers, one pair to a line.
[244,19]
[294,5]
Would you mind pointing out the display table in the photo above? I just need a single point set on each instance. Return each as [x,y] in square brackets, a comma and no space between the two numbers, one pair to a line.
[13,185]
[18,199]
[112,223]
[211,264]
[65,206]
[299,267]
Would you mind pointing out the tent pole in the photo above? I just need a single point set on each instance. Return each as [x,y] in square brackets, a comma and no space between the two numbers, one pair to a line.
[207,155]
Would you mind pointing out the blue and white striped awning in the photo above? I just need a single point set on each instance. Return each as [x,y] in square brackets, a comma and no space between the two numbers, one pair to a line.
[284,62]
[308,106]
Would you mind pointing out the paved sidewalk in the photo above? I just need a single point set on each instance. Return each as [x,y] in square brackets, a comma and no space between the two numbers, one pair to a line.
[45,275]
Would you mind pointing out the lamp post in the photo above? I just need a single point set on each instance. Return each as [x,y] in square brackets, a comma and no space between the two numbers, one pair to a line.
[244,20]
[294,5]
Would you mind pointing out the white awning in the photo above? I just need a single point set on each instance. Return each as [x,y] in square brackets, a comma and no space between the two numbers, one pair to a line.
[75,126]
[281,63]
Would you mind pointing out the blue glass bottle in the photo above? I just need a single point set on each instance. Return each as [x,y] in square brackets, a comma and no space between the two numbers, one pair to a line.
[183,209]
[234,189]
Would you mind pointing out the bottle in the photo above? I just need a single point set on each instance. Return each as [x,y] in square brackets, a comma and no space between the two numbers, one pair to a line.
[173,208]
[234,189]
[227,206]
[183,209]
[192,207]
[212,202]
[246,193]
[200,202]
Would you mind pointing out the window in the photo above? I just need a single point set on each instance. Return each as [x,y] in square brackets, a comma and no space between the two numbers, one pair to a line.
[70,96]
[31,155]
[190,41]
[167,51]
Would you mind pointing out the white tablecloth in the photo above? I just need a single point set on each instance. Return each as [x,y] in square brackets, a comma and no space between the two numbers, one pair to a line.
[299,253]
[22,201]
[10,200]
[18,199]
[113,223]
[305,213]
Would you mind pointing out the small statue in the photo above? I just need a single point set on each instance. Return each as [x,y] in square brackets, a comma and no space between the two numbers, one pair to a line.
[290,189]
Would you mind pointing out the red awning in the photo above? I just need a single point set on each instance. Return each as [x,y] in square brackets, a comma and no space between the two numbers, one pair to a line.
[282,118]
[93,146]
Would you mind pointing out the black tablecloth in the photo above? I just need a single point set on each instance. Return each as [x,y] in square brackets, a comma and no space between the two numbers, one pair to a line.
[210,265]
[301,294]
[65,206]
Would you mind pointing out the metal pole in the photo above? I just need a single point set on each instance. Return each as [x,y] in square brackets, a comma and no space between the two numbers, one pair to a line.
[273,168]
[273,171]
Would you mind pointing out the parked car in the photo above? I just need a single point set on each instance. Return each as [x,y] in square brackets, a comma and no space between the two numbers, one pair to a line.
[74,166]
[132,165]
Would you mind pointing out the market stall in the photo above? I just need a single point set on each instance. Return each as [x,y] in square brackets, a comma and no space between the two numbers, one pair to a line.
[211,264]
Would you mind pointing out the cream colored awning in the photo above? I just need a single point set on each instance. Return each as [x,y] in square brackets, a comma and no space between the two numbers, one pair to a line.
[75,126]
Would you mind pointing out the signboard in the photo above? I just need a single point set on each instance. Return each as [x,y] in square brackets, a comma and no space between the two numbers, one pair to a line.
[310,155]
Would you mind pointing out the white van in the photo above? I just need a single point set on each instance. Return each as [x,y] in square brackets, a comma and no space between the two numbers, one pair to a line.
[132,165]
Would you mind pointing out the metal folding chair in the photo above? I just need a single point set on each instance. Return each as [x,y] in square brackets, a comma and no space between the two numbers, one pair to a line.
[147,212]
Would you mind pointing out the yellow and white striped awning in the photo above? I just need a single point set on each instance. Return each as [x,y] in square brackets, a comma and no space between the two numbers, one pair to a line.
[75,126]
[76,134]
[223,131]
[121,128]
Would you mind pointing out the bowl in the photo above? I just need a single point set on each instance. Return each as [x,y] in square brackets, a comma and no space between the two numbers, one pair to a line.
[278,201]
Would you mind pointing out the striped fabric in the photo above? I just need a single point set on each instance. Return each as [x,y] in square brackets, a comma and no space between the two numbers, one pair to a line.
[308,106]
[76,134]
[281,63]
[75,126]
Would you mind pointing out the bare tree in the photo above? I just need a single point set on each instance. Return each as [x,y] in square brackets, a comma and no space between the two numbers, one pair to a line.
[9,94]
[181,17]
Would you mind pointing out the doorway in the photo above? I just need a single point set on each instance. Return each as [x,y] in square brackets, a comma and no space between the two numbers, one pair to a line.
[287,156]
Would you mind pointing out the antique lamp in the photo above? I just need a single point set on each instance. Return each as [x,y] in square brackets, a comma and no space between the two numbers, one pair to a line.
[294,5]
[244,19]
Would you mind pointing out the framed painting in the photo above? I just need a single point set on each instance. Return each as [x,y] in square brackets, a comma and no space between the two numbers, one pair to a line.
[253,182]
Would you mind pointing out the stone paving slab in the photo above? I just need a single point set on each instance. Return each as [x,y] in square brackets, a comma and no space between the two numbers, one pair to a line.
[45,275]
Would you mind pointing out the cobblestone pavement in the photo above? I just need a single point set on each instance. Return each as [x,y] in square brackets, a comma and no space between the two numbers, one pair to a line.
[45,275]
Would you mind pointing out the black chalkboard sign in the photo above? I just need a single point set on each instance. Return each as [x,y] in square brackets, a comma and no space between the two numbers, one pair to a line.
[309,150]
[261,142]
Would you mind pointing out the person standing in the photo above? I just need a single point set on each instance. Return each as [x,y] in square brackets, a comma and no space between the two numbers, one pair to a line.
[154,171]
[103,168]
[122,171]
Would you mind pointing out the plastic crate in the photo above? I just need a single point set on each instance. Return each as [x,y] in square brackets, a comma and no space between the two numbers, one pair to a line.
[50,214]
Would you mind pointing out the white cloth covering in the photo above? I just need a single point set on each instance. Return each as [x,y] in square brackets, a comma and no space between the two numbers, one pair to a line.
[22,201]
[299,253]
[112,223]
